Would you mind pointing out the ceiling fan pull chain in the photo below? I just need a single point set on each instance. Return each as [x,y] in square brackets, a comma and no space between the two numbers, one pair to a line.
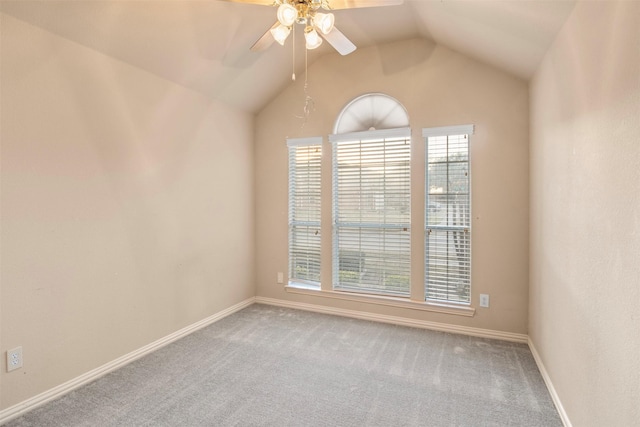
[293,74]
[306,69]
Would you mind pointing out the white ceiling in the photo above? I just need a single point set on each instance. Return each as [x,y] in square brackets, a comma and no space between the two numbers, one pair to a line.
[204,44]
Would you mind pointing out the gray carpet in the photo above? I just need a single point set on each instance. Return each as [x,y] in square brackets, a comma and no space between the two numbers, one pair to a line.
[269,366]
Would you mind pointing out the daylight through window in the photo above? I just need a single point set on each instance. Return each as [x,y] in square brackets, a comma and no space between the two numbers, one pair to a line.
[372,211]
[448,214]
[305,156]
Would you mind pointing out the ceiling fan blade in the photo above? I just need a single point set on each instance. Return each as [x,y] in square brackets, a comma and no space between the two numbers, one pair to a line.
[350,4]
[339,41]
[261,2]
[265,41]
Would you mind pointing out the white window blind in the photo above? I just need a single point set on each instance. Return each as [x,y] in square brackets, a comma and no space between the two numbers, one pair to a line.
[305,155]
[372,211]
[448,214]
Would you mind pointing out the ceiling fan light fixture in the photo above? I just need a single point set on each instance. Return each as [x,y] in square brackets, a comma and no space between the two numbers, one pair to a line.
[312,38]
[287,14]
[324,22]
[280,33]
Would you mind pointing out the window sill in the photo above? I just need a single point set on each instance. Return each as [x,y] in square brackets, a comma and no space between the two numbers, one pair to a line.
[302,289]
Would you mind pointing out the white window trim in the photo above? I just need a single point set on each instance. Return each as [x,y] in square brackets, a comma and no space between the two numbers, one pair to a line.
[467,129]
[293,143]
[451,308]
[448,130]
[372,135]
[384,300]
[302,142]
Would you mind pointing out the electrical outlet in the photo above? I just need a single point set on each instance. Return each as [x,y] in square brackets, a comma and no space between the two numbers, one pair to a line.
[484,300]
[280,277]
[14,359]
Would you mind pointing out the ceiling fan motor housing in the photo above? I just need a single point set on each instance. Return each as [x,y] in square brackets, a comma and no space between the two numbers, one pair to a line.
[317,25]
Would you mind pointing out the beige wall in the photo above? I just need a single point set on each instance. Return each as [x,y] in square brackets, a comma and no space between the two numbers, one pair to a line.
[585,214]
[127,208]
[438,87]
[127,202]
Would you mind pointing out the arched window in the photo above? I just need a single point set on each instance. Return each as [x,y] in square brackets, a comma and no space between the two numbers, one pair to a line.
[371,235]
[373,111]
[372,197]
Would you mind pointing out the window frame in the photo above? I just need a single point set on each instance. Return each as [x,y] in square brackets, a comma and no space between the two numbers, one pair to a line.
[293,145]
[380,264]
[448,132]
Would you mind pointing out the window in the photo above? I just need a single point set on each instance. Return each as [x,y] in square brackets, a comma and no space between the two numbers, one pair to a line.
[372,211]
[448,216]
[305,156]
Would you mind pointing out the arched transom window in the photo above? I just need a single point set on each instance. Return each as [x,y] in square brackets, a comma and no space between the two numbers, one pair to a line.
[372,111]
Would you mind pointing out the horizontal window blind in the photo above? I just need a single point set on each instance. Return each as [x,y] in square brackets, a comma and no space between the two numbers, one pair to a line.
[372,211]
[305,157]
[448,215]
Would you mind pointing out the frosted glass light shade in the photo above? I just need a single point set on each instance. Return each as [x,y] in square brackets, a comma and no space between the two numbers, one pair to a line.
[280,33]
[324,22]
[313,38]
[287,14]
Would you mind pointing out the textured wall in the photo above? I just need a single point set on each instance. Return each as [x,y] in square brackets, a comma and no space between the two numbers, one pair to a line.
[127,208]
[585,214]
[438,87]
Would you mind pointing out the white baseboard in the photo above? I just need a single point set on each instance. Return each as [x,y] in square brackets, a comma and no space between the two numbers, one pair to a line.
[552,390]
[442,327]
[49,395]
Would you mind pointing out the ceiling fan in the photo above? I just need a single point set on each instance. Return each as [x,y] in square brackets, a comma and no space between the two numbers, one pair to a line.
[317,25]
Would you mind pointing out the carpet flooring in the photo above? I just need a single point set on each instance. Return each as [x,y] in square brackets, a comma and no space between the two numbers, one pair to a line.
[271,366]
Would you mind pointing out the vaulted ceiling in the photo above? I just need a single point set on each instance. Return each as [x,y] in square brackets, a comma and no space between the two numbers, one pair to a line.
[204,44]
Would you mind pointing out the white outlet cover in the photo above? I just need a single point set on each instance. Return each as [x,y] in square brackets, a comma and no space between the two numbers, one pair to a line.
[484,300]
[14,359]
